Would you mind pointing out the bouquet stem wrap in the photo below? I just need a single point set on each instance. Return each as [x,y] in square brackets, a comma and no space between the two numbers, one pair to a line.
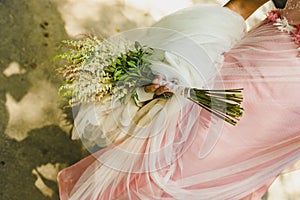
[225,104]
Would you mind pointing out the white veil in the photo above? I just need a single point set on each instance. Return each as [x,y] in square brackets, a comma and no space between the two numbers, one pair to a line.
[192,50]
[145,140]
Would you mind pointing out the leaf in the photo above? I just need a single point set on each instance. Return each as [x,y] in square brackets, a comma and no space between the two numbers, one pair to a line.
[131,64]
[118,61]
[117,75]
[137,45]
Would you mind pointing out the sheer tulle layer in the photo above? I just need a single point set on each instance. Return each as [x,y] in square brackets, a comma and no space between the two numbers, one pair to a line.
[245,159]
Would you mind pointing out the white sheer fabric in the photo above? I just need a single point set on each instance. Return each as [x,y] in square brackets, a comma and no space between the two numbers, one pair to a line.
[167,149]
[155,136]
[192,43]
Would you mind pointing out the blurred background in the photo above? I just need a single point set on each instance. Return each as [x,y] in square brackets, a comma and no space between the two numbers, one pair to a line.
[34,129]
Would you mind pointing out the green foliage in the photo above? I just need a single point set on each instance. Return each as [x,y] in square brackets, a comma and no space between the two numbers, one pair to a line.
[93,70]
[130,70]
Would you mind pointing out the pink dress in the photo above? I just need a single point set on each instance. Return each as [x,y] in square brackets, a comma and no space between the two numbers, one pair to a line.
[239,162]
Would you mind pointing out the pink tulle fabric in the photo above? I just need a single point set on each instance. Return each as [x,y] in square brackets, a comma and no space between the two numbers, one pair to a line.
[247,157]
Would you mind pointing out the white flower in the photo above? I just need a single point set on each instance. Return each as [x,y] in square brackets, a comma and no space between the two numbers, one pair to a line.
[283,25]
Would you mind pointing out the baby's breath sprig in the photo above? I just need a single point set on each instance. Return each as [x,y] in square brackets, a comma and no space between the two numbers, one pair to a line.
[95,69]
[84,80]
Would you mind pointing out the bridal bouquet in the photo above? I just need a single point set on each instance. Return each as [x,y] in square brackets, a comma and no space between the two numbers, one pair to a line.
[96,71]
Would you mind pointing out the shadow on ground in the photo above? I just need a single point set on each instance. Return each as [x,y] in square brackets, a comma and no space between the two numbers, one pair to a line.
[46,145]
[30,33]
[34,130]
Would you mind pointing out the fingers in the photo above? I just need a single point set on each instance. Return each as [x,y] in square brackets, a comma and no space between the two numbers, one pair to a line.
[161,90]
[156,88]
[151,88]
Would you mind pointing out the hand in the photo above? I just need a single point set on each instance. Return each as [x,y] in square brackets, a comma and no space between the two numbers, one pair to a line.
[158,89]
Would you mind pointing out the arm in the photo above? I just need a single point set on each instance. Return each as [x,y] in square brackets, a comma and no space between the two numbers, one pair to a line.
[245,7]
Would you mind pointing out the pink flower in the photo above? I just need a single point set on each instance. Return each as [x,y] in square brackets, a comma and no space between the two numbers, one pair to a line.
[296,34]
[273,15]
[297,39]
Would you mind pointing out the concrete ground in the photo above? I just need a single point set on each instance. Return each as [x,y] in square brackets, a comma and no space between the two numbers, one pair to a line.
[34,129]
